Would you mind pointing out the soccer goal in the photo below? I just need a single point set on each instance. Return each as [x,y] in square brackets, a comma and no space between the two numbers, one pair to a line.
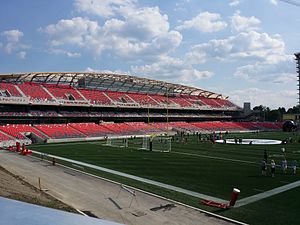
[117,142]
[157,143]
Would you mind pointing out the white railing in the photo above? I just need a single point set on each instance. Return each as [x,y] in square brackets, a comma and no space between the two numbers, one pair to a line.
[127,104]
[36,101]
[14,100]
[73,102]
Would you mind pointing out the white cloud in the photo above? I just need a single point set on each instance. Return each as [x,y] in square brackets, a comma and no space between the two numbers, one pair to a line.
[285,77]
[104,8]
[142,24]
[21,55]
[9,47]
[274,2]
[279,72]
[262,56]
[12,39]
[64,52]
[234,2]
[13,35]
[191,75]
[89,69]
[13,43]
[272,99]
[142,32]
[92,70]
[205,22]
[241,23]
[249,45]
[181,5]
[73,54]
[74,31]
[196,56]
[171,69]
[158,46]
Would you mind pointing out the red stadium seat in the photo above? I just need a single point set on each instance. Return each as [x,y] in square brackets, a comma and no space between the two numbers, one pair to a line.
[18,130]
[4,137]
[143,99]
[92,129]
[35,91]
[96,97]
[8,89]
[120,97]
[60,131]
[63,92]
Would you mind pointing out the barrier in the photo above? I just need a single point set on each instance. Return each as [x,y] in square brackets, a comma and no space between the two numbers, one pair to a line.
[130,191]
[233,198]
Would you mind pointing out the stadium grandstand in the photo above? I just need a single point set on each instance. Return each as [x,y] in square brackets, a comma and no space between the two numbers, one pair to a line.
[46,106]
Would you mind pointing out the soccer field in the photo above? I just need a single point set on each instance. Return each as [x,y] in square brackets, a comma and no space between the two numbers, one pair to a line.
[201,167]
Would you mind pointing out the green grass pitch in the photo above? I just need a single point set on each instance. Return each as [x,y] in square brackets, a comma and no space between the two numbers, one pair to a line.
[200,166]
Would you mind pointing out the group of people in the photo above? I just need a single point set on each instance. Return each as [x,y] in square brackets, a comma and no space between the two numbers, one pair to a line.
[264,167]
[238,140]
[284,165]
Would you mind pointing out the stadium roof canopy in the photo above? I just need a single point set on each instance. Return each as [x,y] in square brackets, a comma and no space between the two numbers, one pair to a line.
[108,81]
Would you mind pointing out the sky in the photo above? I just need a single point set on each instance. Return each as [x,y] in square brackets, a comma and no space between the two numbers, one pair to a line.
[243,49]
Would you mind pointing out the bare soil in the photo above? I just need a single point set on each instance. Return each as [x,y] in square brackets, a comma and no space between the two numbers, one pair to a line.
[14,187]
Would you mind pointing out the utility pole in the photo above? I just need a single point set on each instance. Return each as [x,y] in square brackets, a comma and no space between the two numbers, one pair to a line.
[298,71]
[168,109]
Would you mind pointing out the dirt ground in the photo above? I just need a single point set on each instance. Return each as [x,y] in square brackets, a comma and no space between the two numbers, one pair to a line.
[14,187]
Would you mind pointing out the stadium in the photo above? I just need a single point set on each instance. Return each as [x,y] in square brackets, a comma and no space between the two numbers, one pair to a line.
[64,107]
[57,107]
[146,136]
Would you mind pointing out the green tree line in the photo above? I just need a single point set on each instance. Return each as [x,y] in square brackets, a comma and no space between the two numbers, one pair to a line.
[264,113]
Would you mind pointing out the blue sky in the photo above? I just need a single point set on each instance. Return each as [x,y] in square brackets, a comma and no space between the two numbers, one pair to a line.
[240,48]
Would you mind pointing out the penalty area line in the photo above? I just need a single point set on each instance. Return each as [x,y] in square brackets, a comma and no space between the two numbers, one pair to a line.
[214,157]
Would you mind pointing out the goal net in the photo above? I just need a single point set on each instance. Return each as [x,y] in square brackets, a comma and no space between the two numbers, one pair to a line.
[157,144]
[117,142]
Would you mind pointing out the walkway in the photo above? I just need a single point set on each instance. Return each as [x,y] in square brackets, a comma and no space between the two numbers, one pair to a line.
[141,179]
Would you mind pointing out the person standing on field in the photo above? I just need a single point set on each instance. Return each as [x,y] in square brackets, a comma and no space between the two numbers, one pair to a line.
[294,166]
[266,155]
[263,168]
[284,165]
[273,166]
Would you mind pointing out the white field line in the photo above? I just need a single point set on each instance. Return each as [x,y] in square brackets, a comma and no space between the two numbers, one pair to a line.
[215,157]
[62,144]
[141,179]
[275,191]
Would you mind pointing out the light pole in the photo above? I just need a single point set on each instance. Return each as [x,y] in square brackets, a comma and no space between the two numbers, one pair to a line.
[297,55]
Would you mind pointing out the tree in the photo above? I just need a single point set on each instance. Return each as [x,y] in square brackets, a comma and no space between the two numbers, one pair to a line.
[273,115]
[281,111]
[295,109]
[264,113]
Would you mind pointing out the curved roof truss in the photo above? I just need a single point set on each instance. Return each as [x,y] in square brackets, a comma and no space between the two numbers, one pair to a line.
[108,81]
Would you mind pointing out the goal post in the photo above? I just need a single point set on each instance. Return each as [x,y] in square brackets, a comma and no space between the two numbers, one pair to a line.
[145,145]
[117,142]
[157,143]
